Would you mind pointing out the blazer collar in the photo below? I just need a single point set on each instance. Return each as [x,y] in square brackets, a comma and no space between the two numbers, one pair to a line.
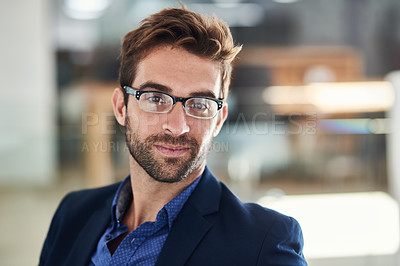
[191,226]
[207,195]
[86,241]
[188,229]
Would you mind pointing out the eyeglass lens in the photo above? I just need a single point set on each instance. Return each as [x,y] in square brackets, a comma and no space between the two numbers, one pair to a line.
[162,103]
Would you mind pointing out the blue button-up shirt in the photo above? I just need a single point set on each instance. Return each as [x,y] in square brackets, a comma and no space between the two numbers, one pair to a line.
[143,245]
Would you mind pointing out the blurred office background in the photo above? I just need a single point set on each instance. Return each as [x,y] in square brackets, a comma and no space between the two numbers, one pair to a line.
[313,130]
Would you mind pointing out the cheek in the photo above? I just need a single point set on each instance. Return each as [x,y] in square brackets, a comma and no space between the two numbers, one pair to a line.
[132,121]
[149,122]
[202,129]
[143,122]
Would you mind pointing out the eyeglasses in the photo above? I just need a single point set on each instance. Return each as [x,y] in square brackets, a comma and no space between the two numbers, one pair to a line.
[161,102]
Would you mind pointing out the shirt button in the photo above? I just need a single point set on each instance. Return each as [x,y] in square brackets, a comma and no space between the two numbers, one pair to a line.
[108,237]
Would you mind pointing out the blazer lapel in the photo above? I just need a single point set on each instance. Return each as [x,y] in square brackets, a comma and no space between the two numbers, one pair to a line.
[191,226]
[86,241]
[186,233]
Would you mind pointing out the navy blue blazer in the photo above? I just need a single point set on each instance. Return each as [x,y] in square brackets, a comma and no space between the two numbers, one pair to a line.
[213,228]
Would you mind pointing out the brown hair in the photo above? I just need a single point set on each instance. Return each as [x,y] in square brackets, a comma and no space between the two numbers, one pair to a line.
[201,35]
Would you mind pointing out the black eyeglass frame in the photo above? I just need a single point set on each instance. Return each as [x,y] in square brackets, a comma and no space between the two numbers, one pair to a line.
[137,93]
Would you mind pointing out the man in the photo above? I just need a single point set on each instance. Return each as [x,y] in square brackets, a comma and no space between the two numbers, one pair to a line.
[175,73]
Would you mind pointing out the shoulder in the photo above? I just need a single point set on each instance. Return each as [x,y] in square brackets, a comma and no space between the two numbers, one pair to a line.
[243,233]
[251,213]
[89,196]
[215,200]
[87,199]
[278,236]
[71,216]
[76,206]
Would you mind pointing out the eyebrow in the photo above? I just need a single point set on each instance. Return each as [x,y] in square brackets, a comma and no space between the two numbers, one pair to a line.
[166,89]
[156,86]
[208,94]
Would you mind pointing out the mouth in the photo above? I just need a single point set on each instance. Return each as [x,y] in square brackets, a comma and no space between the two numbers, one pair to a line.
[172,150]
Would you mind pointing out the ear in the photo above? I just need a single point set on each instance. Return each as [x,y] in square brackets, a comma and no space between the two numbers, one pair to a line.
[119,107]
[223,114]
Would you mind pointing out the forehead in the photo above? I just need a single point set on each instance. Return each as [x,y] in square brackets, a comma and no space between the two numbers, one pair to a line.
[179,70]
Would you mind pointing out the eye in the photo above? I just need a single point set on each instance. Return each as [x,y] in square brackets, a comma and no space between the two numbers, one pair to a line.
[199,106]
[155,98]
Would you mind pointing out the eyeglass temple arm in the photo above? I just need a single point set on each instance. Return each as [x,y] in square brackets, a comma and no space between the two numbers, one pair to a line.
[130,91]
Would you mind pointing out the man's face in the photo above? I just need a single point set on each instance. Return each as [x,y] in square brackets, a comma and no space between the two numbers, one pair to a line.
[171,146]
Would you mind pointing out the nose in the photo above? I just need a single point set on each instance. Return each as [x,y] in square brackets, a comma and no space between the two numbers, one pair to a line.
[175,122]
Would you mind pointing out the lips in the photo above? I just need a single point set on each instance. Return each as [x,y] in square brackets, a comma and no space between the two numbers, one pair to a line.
[172,150]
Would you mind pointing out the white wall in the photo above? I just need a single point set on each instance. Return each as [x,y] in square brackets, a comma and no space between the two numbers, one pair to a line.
[27,93]
[393,145]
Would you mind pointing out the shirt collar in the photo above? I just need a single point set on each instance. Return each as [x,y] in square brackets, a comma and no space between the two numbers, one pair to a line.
[174,207]
[123,198]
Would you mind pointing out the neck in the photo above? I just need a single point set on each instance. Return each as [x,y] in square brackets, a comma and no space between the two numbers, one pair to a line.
[150,195]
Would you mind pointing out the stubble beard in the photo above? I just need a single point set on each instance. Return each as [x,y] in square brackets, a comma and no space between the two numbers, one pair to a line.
[166,170]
